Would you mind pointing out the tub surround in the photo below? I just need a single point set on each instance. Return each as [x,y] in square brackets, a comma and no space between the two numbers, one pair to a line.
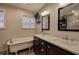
[71,46]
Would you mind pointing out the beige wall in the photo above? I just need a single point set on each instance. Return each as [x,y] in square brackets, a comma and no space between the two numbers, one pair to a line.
[13,24]
[53,9]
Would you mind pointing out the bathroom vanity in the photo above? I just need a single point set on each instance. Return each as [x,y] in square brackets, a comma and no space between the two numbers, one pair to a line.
[50,45]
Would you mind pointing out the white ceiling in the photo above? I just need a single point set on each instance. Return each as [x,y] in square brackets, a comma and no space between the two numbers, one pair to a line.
[34,7]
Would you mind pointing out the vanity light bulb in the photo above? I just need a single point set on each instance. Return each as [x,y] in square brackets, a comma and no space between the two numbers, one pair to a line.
[73,11]
[44,13]
[76,20]
[73,21]
[41,13]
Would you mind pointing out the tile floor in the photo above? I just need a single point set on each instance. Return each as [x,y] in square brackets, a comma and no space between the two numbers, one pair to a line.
[23,52]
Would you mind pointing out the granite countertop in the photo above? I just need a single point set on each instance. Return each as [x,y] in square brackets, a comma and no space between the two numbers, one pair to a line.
[71,46]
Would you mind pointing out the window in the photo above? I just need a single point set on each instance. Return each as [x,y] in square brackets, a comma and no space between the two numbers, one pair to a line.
[28,22]
[2,15]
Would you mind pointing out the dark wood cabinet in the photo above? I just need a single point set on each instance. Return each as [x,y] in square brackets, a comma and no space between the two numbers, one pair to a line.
[54,50]
[36,45]
[42,43]
[42,47]
[39,46]
[42,51]
[51,50]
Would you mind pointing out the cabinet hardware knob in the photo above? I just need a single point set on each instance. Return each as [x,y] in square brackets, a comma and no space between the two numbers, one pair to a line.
[42,49]
[42,43]
[48,47]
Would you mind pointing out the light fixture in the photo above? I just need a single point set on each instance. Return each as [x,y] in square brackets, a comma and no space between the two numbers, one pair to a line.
[76,13]
[76,20]
[44,13]
[73,21]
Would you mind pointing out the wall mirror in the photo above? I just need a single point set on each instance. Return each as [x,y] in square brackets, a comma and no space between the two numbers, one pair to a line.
[68,18]
[46,22]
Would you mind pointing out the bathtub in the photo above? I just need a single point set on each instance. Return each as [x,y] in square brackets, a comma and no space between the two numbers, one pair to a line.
[17,44]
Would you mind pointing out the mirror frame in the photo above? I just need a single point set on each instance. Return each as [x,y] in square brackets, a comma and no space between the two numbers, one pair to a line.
[48,22]
[66,24]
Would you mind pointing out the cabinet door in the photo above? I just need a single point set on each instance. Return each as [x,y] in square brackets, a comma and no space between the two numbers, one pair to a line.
[42,51]
[51,50]
[54,50]
[42,43]
[42,47]
[63,52]
[36,45]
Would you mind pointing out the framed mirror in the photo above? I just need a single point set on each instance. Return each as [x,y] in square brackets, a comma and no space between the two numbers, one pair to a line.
[68,18]
[46,22]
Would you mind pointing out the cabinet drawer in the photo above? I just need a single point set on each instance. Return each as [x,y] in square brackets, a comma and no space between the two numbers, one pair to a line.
[42,43]
[54,50]
[36,45]
[42,51]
